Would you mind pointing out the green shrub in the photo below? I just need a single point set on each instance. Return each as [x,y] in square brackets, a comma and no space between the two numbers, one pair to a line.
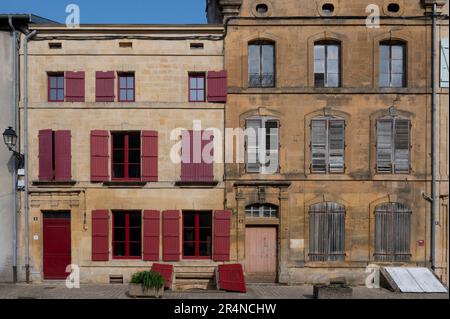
[148,279]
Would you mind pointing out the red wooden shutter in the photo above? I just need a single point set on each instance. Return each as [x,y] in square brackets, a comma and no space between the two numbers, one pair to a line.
[149,150]
[217,86]
[74,86]
[100,235]
[104,86]
[63,156]
[164,270]
[171,235]
[222,227]
[205,171]
[45,155]
[99,156]
[187,167]
[151,235]
[231,278]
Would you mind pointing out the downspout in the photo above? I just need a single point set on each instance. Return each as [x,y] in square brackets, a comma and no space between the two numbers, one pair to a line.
[13,125]
[433,142]
[28,37]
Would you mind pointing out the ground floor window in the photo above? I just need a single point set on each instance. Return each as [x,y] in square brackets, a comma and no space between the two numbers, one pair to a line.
[197,234]
[393,232]
[127,235]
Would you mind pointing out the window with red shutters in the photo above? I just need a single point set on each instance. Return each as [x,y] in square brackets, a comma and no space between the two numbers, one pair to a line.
[126,155]
[74,86]
[149,156]
[126,87]
[197,235]
[217,86]
[171,235]
[222,227]
[197,163]
[151,229]
[104,86]
[55,155]
[100,235]
[55,87]
[197,87]
[127,235]
[99,156]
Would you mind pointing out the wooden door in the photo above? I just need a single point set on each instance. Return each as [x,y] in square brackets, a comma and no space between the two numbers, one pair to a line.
[261,254]
[57,247]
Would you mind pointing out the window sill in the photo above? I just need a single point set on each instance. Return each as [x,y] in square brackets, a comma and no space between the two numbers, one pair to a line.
[124,183]
[54,183]
[196,183]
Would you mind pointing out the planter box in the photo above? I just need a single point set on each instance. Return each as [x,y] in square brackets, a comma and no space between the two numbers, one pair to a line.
[332,292]
[137,290]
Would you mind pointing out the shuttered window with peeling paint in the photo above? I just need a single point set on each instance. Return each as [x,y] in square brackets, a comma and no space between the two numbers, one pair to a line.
[393,232]
[327,232]
[393,145]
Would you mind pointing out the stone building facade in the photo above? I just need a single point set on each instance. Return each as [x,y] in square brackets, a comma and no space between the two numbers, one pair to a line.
[104,102]
[350,108]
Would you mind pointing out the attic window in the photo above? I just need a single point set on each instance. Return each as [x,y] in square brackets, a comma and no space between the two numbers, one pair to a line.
[262,8]
[393,7]
[197,45]
[126,44]
[55,45]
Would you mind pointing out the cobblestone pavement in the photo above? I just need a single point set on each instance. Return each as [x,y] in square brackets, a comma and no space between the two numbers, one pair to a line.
[58,290]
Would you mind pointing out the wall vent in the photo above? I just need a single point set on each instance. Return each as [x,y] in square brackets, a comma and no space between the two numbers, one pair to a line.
[55,45]
[116,279]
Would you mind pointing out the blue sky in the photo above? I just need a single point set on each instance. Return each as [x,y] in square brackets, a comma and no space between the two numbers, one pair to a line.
[114,11]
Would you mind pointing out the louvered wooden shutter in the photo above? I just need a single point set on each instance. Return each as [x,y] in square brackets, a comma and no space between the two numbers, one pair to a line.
[45,155]
[384,145]
[100,235]
[222,227]
[205,169]
[252,162]
[151,235]
[217,86]
[74,86]
[336,146]
[319,146]
[271,164]
[171,235]
[99,156]
[187,165]
[149,156]
[444,63]
[63,156]
[104,86]
[402,146]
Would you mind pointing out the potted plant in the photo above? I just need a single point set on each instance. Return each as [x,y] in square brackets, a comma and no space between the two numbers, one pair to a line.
[146,284]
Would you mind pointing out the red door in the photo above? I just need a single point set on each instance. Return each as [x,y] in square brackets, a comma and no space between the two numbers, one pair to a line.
[57,248]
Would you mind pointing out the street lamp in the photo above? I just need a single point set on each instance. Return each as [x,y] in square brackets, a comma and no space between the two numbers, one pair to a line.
[10,139]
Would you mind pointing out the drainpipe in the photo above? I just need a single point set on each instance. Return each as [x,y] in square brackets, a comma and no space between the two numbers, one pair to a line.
[28,37]
[13,125]
[433,142]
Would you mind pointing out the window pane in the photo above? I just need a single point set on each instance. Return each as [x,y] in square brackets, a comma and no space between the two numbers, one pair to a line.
[123,82]
[53,81]
[189,249]
[118,171]
[319,66]
[119,219]
[384,53]
[130,82]
[268,59]
[135,249]
[200,82]
[119,249]
[205,219]
[53,96]
[397,52]
[119,234]
[189,219]
[61,82]
[134,171]
[397,66]
[333,66]
[134,157]
[384,66]
[60,94]
[118,140]
[205,234]
[118,157]
[135,234]
[333,80]
[189,234]
[193,95]
[397,80]
[319,79]
[134,140]
[319,52]
[205,249]
[200,95]
[254,59]
[123,95]
[135,219]
[384,80]
[333,52]
[130,95]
